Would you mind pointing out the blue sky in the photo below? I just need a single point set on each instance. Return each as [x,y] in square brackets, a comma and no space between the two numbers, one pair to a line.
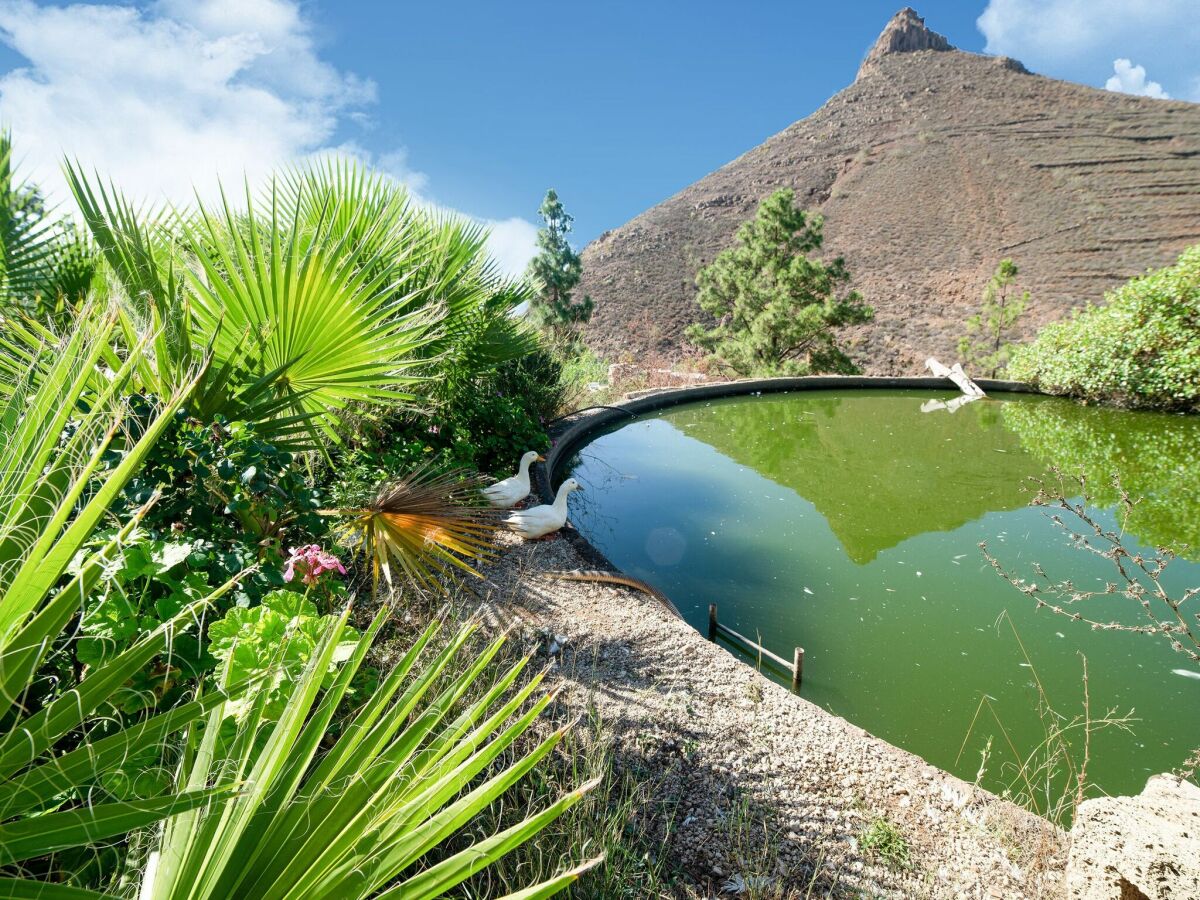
[480,106]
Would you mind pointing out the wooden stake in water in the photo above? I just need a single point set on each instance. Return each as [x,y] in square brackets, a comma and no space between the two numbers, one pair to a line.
[715,628]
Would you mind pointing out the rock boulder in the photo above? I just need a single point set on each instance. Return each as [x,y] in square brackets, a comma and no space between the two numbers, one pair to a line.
[1123,848]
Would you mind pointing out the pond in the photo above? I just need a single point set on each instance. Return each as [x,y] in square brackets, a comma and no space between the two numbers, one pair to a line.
[849,522]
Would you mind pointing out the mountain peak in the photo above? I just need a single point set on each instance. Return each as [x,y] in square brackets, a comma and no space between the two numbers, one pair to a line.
[905,33]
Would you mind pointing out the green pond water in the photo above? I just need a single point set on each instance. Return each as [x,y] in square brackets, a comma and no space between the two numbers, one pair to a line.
[848,522]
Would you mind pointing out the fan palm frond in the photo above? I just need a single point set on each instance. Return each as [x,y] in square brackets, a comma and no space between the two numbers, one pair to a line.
[57,427]
[436,260]
[422,527]
[142,265]
[303,306]
[45,265]
[352,813]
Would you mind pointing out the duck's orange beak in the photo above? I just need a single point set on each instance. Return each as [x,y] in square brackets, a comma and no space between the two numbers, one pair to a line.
[541,458]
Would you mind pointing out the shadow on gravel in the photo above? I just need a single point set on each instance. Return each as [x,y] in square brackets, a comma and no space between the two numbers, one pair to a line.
[718,829]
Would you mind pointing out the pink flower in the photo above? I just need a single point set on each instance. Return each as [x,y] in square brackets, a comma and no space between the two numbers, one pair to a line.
[313,562]
[435,429]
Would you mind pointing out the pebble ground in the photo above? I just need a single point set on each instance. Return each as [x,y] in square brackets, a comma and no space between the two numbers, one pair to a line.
[769,794]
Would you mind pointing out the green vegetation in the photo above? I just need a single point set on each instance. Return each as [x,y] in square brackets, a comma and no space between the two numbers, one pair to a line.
[775,308]
[183,396]
[1156,458]
[617,822]
[398,780]
[61,746]
[45,265]
[1140,349]
[557,270]
[884,838]
[983,347]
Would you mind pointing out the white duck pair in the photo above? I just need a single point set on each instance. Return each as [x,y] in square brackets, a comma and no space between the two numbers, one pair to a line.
[540,520]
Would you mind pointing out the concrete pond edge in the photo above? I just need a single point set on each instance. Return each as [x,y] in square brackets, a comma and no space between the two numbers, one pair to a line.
[576,429]
[1162,821]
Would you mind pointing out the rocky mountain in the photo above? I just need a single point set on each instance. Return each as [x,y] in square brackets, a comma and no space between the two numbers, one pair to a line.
[930,168]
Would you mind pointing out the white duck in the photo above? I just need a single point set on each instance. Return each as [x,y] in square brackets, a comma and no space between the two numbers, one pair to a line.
[542,520]
[508,493]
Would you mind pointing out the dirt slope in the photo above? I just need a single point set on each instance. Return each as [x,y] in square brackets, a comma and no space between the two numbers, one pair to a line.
[931,167]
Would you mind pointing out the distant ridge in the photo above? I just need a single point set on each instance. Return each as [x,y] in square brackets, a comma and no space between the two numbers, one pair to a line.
[931,167]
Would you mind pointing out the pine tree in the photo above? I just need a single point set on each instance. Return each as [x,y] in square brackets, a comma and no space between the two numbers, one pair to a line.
[556,270]
[775,308]
[983,346]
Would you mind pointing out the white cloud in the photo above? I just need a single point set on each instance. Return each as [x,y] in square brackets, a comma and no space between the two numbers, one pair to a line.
[1078,39]
[1131,79]
[160,101]
[512,243]
[1076,26]
[167,98]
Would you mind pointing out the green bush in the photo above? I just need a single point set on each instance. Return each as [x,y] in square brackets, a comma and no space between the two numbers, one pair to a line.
[1140,349]
[236,500]
[502,414]
[485,423]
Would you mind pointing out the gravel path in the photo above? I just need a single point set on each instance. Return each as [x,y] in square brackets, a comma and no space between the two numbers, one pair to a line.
[764,784]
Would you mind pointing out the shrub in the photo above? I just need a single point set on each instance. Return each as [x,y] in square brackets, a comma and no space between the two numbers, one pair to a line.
[489,420]
[484,422]
[1141,349]
[329,294]
[153,480]
[495,429]
[272,792]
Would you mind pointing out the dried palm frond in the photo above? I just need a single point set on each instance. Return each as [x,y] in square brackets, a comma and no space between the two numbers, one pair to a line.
[426,524]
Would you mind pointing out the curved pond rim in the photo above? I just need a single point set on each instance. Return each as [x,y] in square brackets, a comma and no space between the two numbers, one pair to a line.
[581,430]
[587,425]
[573,434]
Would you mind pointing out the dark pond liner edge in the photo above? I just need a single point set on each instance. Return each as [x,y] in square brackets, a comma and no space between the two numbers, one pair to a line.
[577,428]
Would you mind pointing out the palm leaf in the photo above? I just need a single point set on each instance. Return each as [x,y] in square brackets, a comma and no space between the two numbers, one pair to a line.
[42,261]
[405,774]
[55,490]
[425,525]
[435,261]
[312,306]
[141,258]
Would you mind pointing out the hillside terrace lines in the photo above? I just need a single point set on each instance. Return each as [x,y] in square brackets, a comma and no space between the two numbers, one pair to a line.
[924,187]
